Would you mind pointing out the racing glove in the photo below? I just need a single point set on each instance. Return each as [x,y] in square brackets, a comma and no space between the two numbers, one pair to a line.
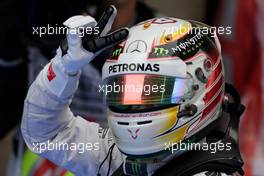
[76,51]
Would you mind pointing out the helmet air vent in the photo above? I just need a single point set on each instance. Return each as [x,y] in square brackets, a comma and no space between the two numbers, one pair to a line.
[122,123]
[188,111]
[200,75]
[144,122]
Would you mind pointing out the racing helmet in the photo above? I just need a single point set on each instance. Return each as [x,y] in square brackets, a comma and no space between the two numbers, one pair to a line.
[163,85]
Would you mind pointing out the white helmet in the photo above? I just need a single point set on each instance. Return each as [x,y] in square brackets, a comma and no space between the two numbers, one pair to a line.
[163,85]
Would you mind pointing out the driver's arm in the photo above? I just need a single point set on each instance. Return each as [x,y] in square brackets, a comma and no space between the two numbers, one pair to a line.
[48,126]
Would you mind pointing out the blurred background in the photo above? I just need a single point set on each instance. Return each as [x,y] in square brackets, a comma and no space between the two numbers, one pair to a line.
[22,55]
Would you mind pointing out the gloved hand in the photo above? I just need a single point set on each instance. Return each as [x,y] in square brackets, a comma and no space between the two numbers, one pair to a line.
[61,75]
[76,51]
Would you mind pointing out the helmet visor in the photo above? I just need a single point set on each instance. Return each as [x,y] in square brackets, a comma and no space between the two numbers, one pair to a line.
[140,89]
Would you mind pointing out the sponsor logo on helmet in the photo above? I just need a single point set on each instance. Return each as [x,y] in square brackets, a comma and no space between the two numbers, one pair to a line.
[139,115]
[139,46]
[164,20]
[189,44]
[184,48]
[134,134]
[116,52]
[161,51]
[134,67]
